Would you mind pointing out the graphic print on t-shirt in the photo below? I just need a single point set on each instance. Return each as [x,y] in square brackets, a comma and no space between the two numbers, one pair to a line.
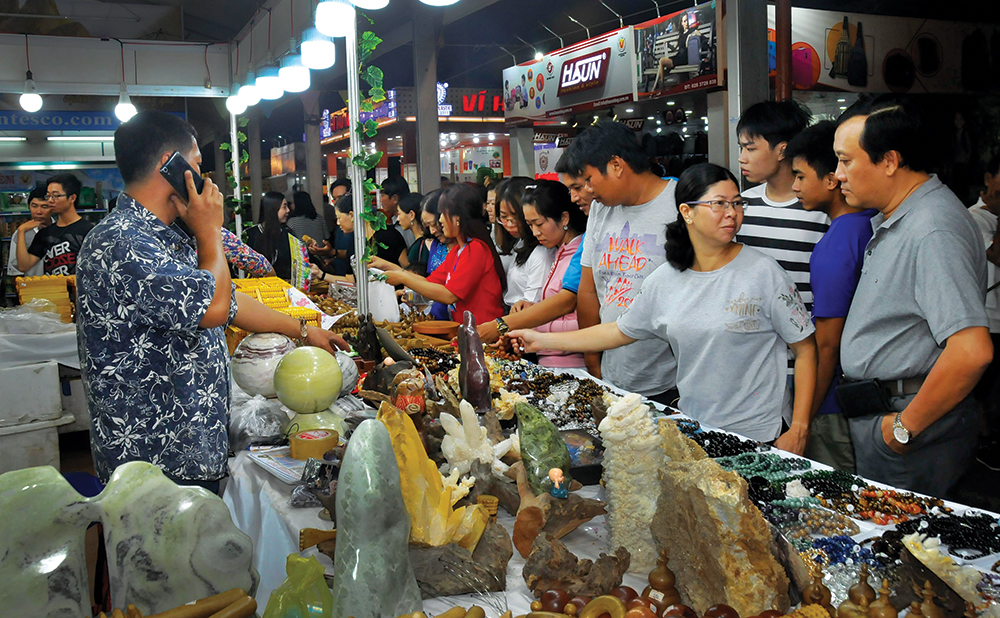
[60,260]
[746,310]
[623,260]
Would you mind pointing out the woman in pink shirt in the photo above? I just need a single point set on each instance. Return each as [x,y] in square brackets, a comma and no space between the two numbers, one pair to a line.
[558,223]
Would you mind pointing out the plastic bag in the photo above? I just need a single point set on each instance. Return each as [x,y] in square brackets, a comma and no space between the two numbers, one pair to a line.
[382,302]
[259,421]
[304,593]
[35,317]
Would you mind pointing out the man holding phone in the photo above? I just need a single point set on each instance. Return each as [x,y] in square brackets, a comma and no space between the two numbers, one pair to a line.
[153,304]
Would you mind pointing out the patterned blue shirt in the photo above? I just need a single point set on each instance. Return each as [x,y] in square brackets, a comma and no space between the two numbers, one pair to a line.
[157,384]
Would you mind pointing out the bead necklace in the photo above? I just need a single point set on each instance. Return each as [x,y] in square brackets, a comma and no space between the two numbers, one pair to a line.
[843,549]
[770,466]
[812,521]
[968,536]
[720,444]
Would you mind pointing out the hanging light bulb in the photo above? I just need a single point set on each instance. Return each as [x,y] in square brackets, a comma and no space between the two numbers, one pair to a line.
[249,93]
[234,103]
[293,74]
[439,2]
[334,17]
[124,110]
[269,83]
[318,50]
[30,101]
[370,5]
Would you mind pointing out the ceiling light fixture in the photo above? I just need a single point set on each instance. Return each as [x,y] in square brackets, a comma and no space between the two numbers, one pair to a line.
[234,102]
[335,18]
[370,5]
[293,73]
[439,2]
[124,110]
[318,50]
[671,103]
[269,82]
[80,138]
[629,110]
[475,140]
[249,93]
[30,100]
[13,139]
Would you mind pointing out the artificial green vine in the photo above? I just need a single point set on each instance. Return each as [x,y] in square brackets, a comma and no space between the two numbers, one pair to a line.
[373,76]
[244,206]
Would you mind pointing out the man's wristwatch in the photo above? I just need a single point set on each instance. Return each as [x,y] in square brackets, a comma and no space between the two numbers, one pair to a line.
[899,432]
[502,327]
[303,331]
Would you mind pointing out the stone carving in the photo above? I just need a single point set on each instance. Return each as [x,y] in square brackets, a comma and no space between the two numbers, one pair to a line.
[372,572]
[167,545]
[717,541]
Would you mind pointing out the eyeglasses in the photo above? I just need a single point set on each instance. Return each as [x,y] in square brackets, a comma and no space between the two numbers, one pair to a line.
[721,206]
[55,196]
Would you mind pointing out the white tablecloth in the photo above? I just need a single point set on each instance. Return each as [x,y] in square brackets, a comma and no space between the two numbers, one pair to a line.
[17,350]
[259,505]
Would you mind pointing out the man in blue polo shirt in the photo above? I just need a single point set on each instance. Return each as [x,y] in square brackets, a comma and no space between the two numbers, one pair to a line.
[834,270]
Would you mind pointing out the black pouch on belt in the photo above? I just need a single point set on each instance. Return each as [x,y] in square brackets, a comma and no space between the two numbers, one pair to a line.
[863,398]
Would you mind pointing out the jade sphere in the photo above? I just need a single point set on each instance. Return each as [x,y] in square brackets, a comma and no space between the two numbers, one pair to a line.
[307,380]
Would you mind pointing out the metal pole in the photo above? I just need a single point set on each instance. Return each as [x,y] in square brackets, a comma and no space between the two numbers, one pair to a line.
[234,140]
[357,172]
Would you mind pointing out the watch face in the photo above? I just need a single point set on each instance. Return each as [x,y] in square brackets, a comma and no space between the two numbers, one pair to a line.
[902,436]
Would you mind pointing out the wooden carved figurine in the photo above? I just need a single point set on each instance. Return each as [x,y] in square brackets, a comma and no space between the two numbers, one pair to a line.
[817,593]
[929,608]
[850,609]
[661,589]
[915,610]
[862,588]
[882,607]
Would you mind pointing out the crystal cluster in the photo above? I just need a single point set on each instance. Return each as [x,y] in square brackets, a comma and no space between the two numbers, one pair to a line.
[633,458]
[428,496]
[466,442]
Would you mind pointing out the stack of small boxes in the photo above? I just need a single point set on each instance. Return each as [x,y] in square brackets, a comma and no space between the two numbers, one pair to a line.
[59,289]
[271,291]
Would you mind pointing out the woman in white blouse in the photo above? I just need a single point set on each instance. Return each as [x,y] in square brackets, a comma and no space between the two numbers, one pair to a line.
[526,261]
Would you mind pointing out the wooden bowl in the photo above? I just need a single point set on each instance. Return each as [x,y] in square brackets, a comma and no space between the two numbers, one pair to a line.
[436,328]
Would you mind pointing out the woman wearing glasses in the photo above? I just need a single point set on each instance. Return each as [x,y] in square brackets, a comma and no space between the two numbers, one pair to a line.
[728,312]
[525,261]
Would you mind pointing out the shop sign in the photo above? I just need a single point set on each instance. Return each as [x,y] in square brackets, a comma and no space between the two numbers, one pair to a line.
[444,109]
[477,102]
[18,120]
[578,78]
[635,124]
[547,138]
[584,73]
[334,122]
[878,53]
[688,38]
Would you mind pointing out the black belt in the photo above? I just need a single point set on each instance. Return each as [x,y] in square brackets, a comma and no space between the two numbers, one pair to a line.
[897,388]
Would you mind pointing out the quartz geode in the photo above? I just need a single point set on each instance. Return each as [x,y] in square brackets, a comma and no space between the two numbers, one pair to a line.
[717,541]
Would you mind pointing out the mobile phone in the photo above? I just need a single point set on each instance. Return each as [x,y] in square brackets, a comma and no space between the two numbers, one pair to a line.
[173,170]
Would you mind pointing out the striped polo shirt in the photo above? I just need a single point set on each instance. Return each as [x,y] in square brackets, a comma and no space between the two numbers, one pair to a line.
[786,231]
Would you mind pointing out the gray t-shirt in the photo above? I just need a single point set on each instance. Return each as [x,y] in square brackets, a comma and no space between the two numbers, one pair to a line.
[923,280]
[624,245]
[728,329]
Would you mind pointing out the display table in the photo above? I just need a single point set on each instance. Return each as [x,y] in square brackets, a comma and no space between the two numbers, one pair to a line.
[259,504]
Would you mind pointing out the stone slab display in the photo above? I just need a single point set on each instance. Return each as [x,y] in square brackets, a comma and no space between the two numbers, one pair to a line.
[717,541]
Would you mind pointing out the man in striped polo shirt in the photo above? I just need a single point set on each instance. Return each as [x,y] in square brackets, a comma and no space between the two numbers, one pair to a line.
[775,221]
